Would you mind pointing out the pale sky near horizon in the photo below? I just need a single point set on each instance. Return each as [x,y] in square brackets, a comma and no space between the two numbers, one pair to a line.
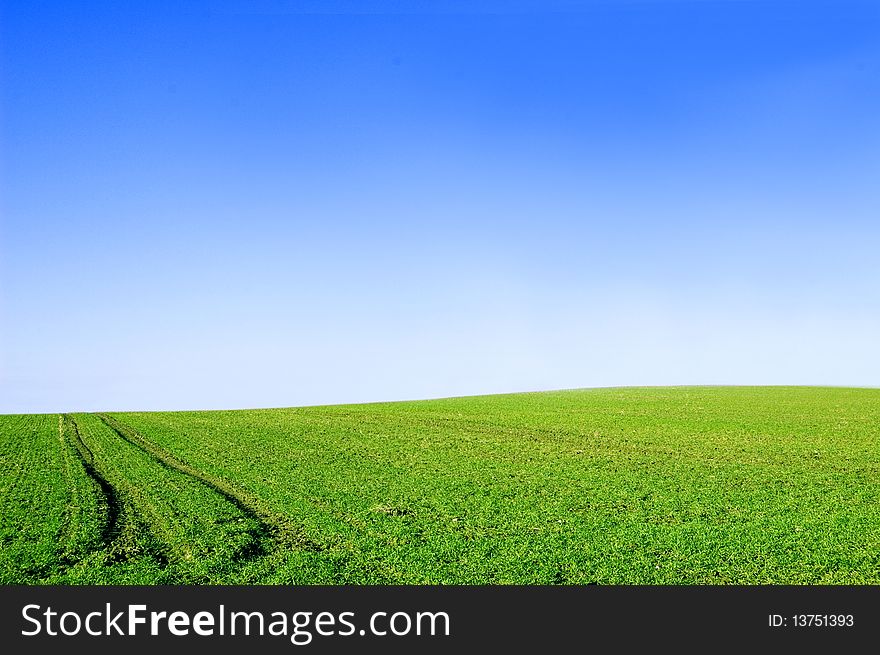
[286,203]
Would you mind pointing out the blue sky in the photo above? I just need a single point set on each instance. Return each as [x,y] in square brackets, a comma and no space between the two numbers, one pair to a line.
[277,203]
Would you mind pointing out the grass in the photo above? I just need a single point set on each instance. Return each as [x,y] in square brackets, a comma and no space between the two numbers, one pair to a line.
[701,485]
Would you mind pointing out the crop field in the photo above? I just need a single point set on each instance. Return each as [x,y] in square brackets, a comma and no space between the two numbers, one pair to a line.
[687,485]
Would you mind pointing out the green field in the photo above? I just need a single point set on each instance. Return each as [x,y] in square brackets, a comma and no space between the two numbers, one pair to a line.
[688,485]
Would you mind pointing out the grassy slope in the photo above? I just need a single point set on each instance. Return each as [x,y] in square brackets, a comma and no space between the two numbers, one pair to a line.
[33,497]
[658,485]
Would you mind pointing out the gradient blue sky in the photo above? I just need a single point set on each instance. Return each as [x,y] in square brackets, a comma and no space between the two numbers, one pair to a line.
[277,203]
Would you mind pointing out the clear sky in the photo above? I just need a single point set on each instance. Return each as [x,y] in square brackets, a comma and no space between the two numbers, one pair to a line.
[275,203]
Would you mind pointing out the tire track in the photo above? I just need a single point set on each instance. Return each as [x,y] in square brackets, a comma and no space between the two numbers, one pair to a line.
[272,529]
[111,502]
[123,533]
[67,538]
